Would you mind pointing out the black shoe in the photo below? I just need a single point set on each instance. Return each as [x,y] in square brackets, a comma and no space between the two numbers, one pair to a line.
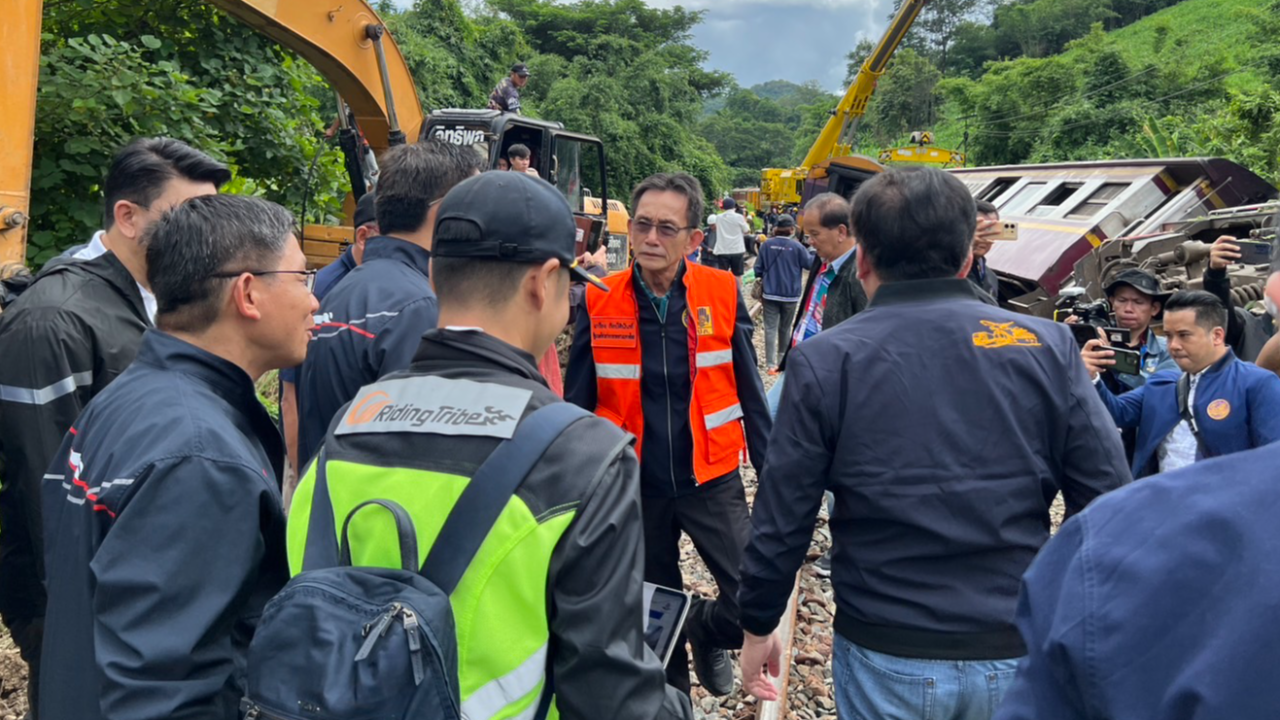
[714,669]
[822,566]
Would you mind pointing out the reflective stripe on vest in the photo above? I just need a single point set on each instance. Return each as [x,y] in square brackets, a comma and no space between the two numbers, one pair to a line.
[711,301]
[717,357]
[618,372]
[509,689]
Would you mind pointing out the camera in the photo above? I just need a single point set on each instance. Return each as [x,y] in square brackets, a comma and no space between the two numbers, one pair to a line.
[1073,302]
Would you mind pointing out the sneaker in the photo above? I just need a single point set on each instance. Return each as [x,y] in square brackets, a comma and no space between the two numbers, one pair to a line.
[714,669]
[823,565]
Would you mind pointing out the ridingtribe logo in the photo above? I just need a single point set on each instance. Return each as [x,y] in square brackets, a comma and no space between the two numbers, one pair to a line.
[379,407]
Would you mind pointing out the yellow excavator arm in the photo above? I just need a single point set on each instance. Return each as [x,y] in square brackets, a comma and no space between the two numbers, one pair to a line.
[20,67]
[346,42]
[338,40]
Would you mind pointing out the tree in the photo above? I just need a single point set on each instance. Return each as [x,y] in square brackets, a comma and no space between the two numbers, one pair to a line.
[904,99]
[936,26]
[626,73]
[113,70]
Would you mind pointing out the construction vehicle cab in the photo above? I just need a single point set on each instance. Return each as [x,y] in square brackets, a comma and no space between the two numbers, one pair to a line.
[572,162]
[840,175]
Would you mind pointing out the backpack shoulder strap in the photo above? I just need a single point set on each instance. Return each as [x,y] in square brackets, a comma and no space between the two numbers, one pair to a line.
[488,492]
[1187,413]
[321,549]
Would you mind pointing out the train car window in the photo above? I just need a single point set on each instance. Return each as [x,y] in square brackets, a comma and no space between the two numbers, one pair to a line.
[1022,198]
[996,189]
[1054,200]
[1098,201]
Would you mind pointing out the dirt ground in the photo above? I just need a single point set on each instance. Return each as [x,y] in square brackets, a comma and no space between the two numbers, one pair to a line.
[13,679]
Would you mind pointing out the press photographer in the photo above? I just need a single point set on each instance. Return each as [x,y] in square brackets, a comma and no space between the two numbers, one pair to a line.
[1215,406]
[1136,299]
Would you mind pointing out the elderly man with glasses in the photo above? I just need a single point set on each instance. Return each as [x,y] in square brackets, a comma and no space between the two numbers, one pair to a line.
[666,354]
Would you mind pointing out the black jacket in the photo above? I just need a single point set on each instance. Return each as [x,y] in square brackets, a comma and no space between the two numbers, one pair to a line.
[369,325]
[61,343]
[165,539]
[666,470]
[1247,333]
[945,427]
[845,298]
[599,662]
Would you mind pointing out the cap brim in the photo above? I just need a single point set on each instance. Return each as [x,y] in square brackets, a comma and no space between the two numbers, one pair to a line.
[579,272]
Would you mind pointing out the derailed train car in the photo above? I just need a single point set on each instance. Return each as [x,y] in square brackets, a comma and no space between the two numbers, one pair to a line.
[1081,222]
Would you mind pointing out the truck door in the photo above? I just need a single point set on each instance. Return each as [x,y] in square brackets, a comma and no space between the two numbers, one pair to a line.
[578,171]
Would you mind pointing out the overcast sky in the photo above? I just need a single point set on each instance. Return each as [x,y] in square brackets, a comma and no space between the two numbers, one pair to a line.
[796,40]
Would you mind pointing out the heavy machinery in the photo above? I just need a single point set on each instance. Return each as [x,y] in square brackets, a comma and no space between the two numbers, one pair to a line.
[348,44]
[922,151]
[829,157]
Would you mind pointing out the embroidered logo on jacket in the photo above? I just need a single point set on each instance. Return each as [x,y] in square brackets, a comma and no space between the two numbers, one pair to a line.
[1004,335]
[1219,409]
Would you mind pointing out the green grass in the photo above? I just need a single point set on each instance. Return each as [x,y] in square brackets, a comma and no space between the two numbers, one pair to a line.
[1198,31]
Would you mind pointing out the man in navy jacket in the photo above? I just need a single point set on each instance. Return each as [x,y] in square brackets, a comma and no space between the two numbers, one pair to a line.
[1159,601]
[373,320]
[1217,405]
[944,426]
[164,526]
[780,270]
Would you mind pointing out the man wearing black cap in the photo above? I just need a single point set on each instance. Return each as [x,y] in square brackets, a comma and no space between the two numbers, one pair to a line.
[366,226]
[370,324]
[506,96]
[1136,300]
[549,610]
[780,272]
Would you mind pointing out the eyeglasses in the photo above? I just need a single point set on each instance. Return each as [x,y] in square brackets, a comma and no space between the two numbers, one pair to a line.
[642,228]
[310,275]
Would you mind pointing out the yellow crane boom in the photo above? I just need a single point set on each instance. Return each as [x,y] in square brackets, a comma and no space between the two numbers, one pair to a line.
[784,185]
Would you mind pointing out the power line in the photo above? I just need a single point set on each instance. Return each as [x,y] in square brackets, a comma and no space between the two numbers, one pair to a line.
[1170,96]
[1059,100]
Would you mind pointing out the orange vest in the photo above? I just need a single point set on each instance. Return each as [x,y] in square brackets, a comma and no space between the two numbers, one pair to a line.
[715,415]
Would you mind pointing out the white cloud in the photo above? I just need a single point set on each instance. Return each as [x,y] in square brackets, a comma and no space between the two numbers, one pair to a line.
[796,40]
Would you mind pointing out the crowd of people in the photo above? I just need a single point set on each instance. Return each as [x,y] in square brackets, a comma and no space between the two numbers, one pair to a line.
[148,517]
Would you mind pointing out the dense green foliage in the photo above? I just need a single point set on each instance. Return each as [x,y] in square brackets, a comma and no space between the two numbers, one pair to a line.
[113,70]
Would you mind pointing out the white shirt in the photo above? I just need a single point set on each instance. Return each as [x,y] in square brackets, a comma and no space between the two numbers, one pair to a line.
[1178,450]
[96,249]
[730,229]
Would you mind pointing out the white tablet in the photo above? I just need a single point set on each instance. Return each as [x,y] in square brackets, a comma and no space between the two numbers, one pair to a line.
[664,613]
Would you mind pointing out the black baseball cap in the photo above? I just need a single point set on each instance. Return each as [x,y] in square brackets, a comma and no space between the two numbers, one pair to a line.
[365,210]
[785,221]
[520,69]
[728,204]
[520,219]
[1140,280]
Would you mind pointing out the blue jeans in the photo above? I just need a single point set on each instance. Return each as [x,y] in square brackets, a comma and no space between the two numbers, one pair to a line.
[874,686]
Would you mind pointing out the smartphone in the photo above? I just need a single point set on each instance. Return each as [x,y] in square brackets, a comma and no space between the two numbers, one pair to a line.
[1253,252]
[1083,333]
[1008,230]
[1118,336]
[1128,362]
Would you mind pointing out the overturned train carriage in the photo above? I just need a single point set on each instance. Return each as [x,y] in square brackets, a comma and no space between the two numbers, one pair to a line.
[1082,222]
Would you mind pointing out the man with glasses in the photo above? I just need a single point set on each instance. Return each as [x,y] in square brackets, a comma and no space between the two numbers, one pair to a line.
[667,355]
[70,334]
[370,324]
[165,524]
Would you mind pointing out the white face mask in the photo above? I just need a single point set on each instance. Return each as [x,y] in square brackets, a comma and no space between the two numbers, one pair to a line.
[1270,304]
